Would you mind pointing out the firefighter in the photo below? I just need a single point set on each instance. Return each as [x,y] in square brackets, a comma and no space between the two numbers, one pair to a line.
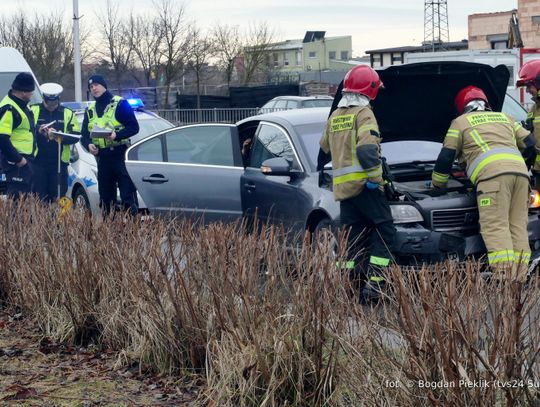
[488,144]
[49,184]
[17,143]
[114,113]
[529,76]
[352,141]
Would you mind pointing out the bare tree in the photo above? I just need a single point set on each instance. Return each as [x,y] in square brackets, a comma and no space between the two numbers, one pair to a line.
[45,42]
[117,40]
[229,45]
[175,42]
[146,38]
[258,45]
[202,49]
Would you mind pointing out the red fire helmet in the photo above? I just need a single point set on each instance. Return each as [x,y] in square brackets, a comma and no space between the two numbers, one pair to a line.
[468,94]
[529,73]
[364,80]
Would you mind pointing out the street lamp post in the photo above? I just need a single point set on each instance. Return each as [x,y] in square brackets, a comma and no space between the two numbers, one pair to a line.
[77,51]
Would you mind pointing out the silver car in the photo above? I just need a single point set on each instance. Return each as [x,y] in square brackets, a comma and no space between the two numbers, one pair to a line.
[82,170]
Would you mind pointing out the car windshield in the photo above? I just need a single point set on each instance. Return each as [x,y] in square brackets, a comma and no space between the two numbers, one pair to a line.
[317,103]
[310,136]
[400,152]
[6,79]
[512,107]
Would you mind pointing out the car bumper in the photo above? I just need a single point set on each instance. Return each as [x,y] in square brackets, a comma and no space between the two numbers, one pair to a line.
[414,244]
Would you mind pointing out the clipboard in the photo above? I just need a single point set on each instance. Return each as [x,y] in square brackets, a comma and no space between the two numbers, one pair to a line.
[67,136]
[99,132]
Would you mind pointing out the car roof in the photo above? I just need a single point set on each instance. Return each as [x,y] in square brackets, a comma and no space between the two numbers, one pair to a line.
[294,117]
[314,97]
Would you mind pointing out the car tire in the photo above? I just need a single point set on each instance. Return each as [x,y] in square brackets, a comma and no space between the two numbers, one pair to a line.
[80,200]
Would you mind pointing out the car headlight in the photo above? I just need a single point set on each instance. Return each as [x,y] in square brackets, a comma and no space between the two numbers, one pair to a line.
[405,214]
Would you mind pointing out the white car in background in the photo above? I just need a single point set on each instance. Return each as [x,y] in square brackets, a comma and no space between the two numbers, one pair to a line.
[82,169]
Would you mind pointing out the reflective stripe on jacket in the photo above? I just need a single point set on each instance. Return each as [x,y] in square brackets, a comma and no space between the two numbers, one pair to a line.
[106,121]
[486,143]
[352,138]
[70,124]
[22,137]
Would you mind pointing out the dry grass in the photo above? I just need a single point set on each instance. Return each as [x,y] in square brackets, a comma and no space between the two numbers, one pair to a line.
[267,325]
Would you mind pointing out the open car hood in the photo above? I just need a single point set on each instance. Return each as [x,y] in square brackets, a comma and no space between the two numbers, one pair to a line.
[417,102]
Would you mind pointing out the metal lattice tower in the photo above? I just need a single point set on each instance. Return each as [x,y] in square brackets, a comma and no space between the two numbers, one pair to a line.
[435,24]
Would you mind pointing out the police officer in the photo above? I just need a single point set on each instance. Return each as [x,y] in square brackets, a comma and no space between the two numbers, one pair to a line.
[351,139]
[529,76]
[489,144]
[114,113]
[17,143]
[47,180]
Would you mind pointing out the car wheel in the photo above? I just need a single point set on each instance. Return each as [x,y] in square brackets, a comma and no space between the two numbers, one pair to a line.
[80,199]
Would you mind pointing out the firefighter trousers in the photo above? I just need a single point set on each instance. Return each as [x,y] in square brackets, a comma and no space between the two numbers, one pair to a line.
[368,219]
[503,208]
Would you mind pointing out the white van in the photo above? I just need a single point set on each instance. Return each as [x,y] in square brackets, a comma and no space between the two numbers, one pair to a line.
[12,63]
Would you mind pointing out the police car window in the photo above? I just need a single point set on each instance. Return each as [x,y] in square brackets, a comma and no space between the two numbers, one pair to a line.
[292,104]
[206,145]
[271,142]
[151,150]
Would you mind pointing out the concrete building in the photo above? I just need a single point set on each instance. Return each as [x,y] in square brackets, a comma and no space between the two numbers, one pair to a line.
[396,55]
[491,30]
[529,22]
[314,52]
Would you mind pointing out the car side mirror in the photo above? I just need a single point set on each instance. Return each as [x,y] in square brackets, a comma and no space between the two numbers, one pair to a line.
[276,166]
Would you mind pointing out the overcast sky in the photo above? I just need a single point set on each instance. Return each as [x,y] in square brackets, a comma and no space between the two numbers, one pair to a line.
[371,23]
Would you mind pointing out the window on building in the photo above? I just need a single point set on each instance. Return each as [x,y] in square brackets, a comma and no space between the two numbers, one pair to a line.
[535,20]
[312,54]
[276,59]
[332,55]
[397,58]
[285,59]
[499,44]
[376,60]
[344,55]
[298,58]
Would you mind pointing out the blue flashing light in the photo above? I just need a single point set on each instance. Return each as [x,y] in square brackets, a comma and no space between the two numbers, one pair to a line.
[135,103]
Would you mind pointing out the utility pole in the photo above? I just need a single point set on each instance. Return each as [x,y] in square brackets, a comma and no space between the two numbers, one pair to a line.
[435,24]
[77,51]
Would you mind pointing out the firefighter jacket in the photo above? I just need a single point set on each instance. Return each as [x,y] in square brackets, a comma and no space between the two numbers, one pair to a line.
[66,122]
[487,143]
[533,124]
[352,138]
[16,129]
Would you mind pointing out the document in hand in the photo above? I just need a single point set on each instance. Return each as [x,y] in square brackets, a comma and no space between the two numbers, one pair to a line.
[67,136]
[99,132]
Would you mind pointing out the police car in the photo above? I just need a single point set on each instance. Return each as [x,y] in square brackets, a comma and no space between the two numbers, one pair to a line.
[82,169]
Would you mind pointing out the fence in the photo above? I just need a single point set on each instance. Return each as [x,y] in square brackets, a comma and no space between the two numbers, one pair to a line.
[215,115]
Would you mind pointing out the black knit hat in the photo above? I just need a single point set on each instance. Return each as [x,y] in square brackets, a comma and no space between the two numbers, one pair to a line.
[97,79]
[23,82]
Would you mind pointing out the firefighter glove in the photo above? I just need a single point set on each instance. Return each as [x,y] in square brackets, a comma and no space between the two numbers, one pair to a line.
[372,185]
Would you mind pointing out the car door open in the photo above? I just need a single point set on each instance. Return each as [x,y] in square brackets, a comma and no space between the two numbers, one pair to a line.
[192,171]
